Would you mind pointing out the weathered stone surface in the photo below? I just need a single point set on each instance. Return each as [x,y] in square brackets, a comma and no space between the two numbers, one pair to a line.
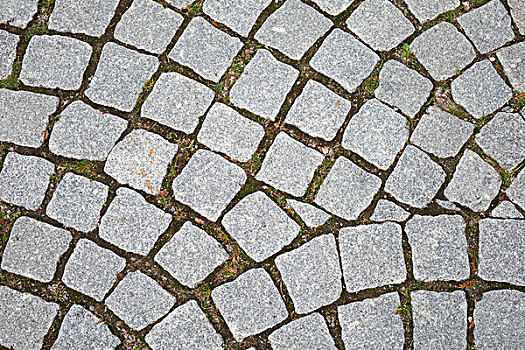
[333,7]
[238,15]
[259,226]
[513,60]
[429,9]
[250,304]
[312,216]
[346,177]
[506,210]
[386,210]
[439,247]
[516,192]
[447,205]
[8,44]
[18,12]
[517,10]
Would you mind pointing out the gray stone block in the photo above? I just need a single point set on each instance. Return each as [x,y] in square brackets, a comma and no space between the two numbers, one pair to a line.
[386,210]
[333,7]
[8,44]
[180,4]
[516,192]
[506,210]
[513,60]
[312,216]
[447,205]
[429,9]
[18,12]
[517,11]
[238,15]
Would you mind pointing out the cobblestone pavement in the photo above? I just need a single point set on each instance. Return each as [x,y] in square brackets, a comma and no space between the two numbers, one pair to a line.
[258,174]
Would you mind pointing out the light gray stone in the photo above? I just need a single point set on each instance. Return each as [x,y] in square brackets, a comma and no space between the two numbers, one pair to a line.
[386,210]
[263,86]
[372,256]
[141,160]
[139,301]
[372,324]
[440,320]
[429,9]
[289,165]
[180,4]
[311,274]
[54,61]
[447,205]
[148,25]
[18,12]
[506,210]
[499,320]
[442,49]
[376,133]
[415,179]
[224,130]
[133,224]
[8,44]
[474,184]
[191,255]
[346,177]
[208,184]
[403,87]
[440,133]
[488,26]
[293,28]
[24,116]
[501,250]
[178,102]
[185,328]
[259,226]
[205,49]
[516,192]
[380,24]
[24,180]
[24,319]
[90,17]
[83,330]
[309,332]
[250,304]
[318,111]
[333,7]
[85,133]
[77,202]
[513,60]
[312,216]
[439,247]
[480,89]
[344,59]
[114,87]
[34,248]
[239,15]
[517,11]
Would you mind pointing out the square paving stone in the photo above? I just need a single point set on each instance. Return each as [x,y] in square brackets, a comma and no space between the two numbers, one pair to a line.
[499,320]
[333,7]
[90,17]
[178,102]
[92,270]
[259,226]
[83,330]
[148,25]
[116,87]
[442,49]
[312,216]
[516,192]
[263,86]
[18,12]
[191,255]
[54,61]
[8,44]
[376,133]
[480,89]
[503,138]
[309,332]
[250,304]
[34,248]
[415,179]
[205,49]
[133,224]
[403,87]
[224,130]
[488,26]
[293,28]
[440,320]
[208,184]
[289,165]
[24,116]
[506,210]
[380,24]
[386,210]
[311,273]
[238,15]
[429,9]
[439,247]
[185,328]
[24,319]
[517,11]
[346,177]
[77,202]
[372,256]
[513,60]
[441,133]
[474,184]
[85,133]
[139,301]
[344,59]
[372,324]
[318,111]
[141,160]
[24,180]
[501,250]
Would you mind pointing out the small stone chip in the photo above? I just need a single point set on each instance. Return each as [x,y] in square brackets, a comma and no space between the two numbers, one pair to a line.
[8,44]
[386,210]
[506,210]
[311,215]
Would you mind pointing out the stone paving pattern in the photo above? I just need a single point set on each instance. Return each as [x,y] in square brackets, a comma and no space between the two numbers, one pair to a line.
[258,174]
